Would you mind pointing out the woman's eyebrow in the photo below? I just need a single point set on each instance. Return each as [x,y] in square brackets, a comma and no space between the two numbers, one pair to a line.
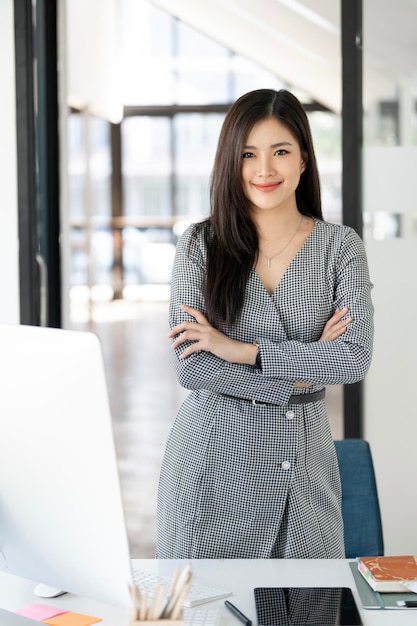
[274,145]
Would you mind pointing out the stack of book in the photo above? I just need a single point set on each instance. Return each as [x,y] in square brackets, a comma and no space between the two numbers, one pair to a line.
[387,574]
[391,581]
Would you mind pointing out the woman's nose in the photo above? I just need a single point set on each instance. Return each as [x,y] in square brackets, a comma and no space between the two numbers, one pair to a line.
[266,166]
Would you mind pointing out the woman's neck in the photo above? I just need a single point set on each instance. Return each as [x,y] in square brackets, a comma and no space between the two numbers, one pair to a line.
[269,224]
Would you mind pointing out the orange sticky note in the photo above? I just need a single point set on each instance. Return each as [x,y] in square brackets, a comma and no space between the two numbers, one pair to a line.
[72,619]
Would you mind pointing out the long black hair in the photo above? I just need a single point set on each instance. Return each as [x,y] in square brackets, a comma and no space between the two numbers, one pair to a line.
[230,233]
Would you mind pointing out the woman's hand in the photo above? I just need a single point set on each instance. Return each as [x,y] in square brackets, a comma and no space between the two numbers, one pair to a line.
[209,339]
[336,326]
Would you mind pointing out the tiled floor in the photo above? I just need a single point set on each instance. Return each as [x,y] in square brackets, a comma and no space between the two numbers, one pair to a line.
[144,397]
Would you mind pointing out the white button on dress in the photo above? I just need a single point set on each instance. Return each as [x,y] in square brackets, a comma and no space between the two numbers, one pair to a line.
[285,465]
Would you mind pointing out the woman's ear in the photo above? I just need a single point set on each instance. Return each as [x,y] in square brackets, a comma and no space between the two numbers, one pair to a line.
[304,159]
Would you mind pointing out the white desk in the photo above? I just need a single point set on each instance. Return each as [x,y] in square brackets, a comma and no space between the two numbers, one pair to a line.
[240,576]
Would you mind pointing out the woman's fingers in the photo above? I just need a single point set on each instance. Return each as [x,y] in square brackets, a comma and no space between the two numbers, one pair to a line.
[199,332]
[198,315]
[186,325]
[205,337]
[336,325]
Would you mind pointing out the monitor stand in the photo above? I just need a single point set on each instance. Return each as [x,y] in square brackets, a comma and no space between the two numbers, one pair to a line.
[45,591]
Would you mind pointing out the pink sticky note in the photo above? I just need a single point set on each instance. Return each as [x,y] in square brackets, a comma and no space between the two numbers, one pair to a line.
[40,612]
[72,619]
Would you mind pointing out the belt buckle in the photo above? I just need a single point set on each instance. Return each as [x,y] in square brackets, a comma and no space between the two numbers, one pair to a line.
[255,403]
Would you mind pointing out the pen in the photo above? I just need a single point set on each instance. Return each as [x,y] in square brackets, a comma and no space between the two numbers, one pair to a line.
[410,604]
[238,613]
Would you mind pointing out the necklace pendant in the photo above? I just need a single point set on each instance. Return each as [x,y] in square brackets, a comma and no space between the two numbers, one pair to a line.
[269,258]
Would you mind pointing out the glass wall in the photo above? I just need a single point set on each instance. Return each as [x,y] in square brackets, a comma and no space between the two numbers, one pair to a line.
[89,167]
[177,86]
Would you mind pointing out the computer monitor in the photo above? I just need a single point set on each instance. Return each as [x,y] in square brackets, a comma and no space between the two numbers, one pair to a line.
[61,512]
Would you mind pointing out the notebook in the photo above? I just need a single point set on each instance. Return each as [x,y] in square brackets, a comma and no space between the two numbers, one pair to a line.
[371,599]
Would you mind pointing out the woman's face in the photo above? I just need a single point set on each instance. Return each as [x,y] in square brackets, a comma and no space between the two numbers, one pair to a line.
[271,166]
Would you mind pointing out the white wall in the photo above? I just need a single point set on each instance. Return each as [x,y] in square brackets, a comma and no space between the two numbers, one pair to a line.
[9,251]
[93,68]
[390,407]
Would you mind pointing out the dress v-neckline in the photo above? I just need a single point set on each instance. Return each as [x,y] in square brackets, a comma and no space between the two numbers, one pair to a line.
[284,274]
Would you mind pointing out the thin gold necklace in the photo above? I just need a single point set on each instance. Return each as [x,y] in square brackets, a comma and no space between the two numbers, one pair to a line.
[270,258]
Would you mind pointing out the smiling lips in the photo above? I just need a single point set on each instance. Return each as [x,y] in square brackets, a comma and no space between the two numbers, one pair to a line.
[267,187]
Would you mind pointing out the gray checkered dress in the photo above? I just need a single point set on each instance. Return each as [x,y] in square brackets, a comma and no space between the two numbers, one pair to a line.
[245,474]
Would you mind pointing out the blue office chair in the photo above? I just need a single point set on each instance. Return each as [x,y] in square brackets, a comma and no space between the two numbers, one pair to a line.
[360,504]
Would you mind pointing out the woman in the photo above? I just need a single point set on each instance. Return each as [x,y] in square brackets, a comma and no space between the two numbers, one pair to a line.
[269,304]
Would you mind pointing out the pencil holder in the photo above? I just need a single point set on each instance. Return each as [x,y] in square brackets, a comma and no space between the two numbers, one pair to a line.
[135,621]
[159,622]
[163,608]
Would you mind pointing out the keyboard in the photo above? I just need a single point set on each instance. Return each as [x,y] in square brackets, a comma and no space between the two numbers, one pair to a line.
[201,617]
[198,594]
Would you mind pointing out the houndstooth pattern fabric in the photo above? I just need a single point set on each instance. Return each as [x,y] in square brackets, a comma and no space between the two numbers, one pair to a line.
[245,480]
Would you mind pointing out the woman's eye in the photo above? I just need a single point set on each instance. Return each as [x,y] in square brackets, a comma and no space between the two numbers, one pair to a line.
[281,152]
[247,155]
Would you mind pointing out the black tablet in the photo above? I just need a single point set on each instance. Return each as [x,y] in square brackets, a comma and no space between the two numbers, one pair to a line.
[306,606]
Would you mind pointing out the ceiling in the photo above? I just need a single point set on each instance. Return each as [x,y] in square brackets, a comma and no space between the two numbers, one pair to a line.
[300,40]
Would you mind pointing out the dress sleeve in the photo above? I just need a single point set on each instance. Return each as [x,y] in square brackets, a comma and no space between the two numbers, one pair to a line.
[203,370]
[345,360]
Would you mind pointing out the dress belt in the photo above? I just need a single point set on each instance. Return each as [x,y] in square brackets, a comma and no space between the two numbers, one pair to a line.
[305,398]
[302,398]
